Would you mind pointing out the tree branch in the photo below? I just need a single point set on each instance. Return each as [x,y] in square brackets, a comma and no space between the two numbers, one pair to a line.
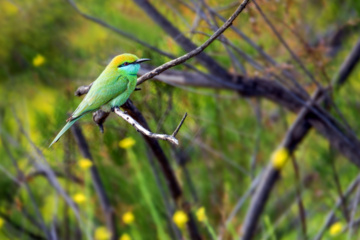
[294,136]
[194,51]
[139,128]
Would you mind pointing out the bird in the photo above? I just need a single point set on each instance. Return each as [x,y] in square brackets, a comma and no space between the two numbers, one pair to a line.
[111,89]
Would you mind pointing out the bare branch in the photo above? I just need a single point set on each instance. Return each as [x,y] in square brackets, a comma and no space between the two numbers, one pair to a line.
[139,128]
[281,39]
[179,126]
[293,137]
[193,51]
[183,41]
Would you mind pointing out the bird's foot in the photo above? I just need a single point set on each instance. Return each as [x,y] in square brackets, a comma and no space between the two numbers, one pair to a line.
[101,127]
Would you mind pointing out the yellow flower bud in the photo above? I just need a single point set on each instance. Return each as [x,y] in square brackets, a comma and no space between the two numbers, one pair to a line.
[128,218]
[125,236]
[79,198]
[85,163]
[101,233]
[279,158]
[180,218]
[127,143]
[2,222]
[336,228]
[38,60]
[200,214]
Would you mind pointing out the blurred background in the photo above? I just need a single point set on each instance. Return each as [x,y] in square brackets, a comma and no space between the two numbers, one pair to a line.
[50,48]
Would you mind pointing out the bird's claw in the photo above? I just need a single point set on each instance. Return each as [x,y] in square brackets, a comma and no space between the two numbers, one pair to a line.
[101,127]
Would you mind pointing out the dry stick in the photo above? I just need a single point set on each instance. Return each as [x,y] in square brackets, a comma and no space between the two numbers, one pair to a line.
[183,41]
[195,50]
[214,26]
[262,53]
[330,216]
[293,137]
[108,211]
[278,35]
[141,129]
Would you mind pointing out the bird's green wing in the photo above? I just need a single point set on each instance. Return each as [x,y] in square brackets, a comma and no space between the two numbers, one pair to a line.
[103,90]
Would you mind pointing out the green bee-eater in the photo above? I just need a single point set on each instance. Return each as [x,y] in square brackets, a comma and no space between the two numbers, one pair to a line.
[111,89]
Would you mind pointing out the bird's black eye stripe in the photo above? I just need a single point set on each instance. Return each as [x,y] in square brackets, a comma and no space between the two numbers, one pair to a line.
[124,64]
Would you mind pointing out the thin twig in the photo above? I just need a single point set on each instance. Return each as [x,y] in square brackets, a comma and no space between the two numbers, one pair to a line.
[139,128]
[197,50]
[281,39]
[330,217]
[179,126]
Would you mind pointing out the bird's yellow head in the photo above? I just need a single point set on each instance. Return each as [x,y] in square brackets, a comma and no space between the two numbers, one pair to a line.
[126,63]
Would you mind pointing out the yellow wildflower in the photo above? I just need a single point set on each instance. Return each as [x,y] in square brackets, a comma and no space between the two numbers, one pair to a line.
[125,236]
[2,222]
[38,60]
[180,218]
[9,8]
[85,163]
[127,143]
[128,218]
[200,214]
[279,158]
[336,228]
[101,233]
[79,198]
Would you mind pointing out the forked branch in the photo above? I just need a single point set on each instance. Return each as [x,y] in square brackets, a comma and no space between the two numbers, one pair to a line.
[171,138]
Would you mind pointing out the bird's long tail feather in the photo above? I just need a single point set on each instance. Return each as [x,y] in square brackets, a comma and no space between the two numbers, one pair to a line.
[64,129]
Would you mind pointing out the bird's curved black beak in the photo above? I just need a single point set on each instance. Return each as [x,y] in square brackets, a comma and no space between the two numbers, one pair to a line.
[142,60]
